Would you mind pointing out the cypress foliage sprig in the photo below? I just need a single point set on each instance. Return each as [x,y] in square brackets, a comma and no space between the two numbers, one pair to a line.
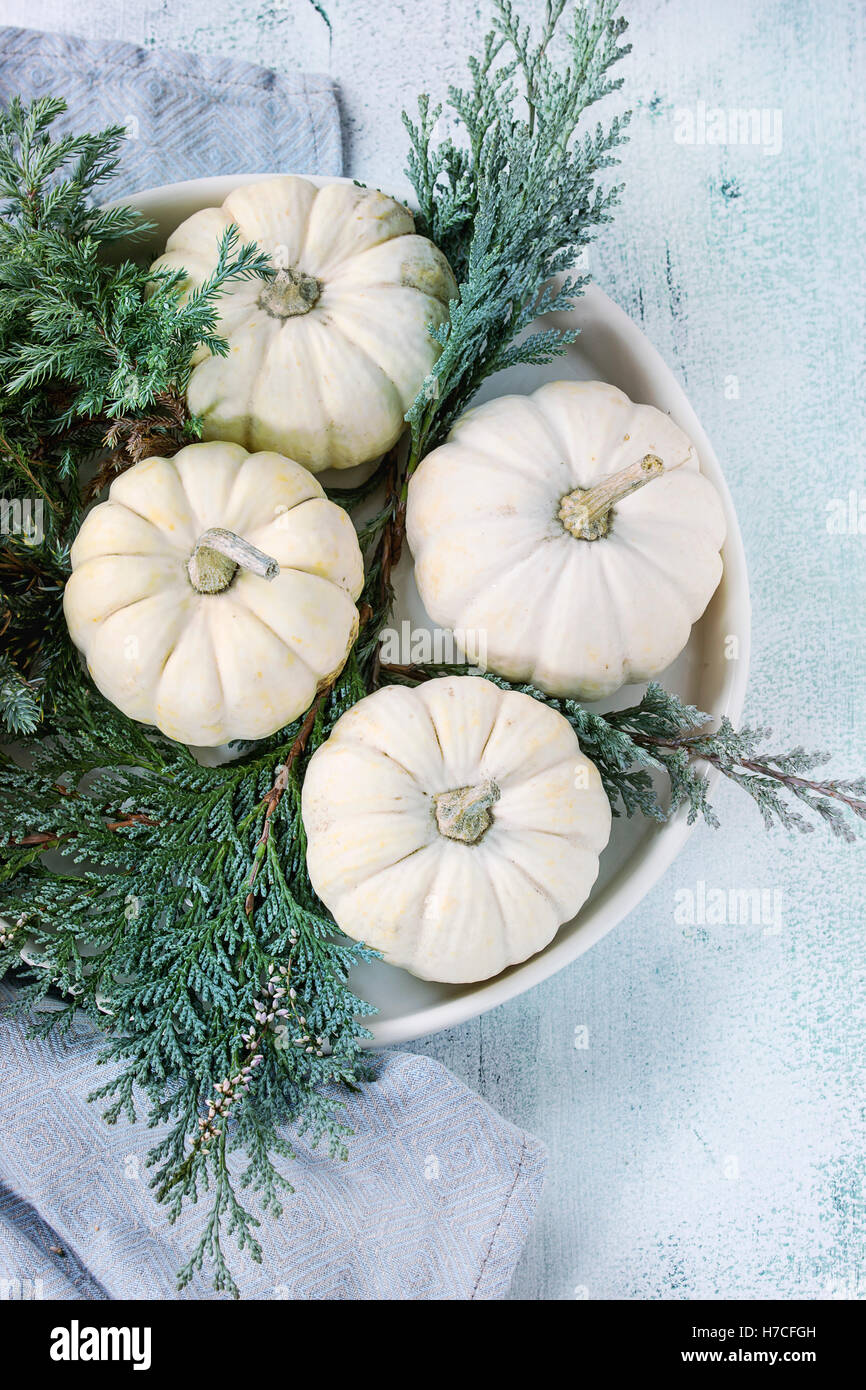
[515,197]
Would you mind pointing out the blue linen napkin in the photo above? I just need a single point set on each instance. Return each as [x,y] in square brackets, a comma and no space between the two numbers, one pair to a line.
[434,1202]
[186,115]
[439,1191]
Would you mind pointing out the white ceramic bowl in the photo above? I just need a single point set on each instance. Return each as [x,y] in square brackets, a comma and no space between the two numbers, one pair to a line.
[610,348]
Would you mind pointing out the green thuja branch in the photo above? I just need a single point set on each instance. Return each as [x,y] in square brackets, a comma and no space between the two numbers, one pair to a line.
[662,733]
[182,893]
[513,197]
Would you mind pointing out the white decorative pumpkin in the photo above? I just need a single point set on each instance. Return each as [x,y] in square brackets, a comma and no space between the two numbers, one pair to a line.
[213,593]
[325,360]
[533,533]
[454,826]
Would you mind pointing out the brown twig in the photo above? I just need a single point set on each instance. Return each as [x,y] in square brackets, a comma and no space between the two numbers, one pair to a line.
[135,818]
[761,769]
[391,543]
[38,838]
[271,799]
[395,530]
[410,672]
[50,838]
[131,439]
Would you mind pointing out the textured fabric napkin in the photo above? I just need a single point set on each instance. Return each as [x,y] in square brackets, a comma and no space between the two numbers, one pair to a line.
[435,1201]
[439,1192]
[186,114]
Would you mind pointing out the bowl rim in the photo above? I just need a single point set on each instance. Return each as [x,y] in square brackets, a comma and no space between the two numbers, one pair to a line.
[665,840]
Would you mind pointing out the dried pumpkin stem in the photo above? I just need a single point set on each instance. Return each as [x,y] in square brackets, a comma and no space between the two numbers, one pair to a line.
[585,513]
[217,557]
[464,814]
[290,293]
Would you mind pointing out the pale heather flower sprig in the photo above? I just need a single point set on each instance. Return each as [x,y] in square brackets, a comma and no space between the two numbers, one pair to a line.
[9,930]
[276,1005]
[304,1039]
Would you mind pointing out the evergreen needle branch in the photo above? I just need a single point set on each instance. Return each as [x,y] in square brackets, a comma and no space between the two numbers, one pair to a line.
[50,839]
[772,768]
[514,200]
[159,894]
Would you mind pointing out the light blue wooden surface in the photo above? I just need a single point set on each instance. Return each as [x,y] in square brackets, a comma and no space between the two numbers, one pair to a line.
[709,1138]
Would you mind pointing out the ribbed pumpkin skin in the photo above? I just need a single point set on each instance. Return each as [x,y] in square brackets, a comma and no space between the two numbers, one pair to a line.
[207,668]
[329,387]
[442,909]
[573,617]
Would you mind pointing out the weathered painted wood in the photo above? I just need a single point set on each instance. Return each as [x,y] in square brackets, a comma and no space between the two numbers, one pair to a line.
[708,1138]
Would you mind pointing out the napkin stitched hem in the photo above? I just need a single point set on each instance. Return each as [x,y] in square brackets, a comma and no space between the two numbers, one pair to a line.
[528,1185]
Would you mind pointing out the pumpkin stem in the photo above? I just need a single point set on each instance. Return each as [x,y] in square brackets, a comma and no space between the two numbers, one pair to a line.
[464,814]
[217,556]
[586,512]
[290,293]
